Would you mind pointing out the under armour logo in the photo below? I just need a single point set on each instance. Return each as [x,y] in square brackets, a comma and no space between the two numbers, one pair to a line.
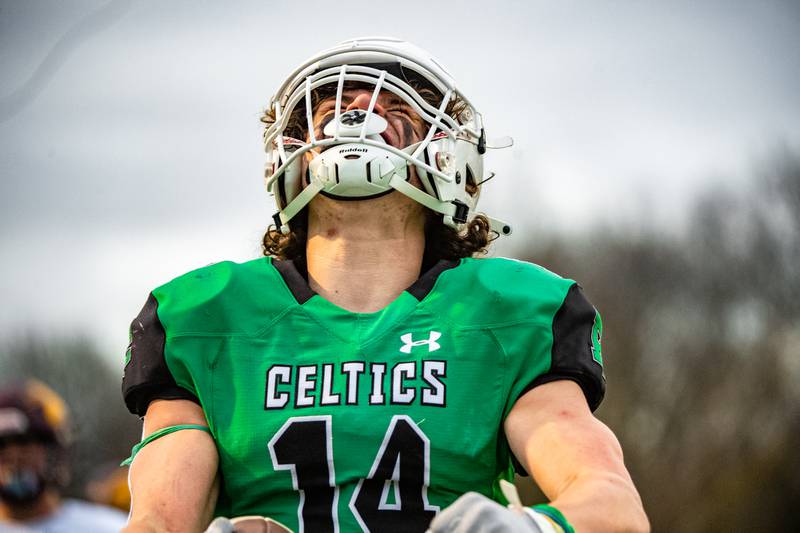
[353,117]
[409,342]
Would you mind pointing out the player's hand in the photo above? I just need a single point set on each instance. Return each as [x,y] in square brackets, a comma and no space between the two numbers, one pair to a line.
[246,524]
[475,513]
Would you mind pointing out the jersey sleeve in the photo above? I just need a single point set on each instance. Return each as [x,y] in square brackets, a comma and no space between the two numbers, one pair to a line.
[147,376]
[576,354]
[560,341]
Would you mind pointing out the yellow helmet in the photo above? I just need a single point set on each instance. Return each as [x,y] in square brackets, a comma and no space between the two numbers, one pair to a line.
[34,411]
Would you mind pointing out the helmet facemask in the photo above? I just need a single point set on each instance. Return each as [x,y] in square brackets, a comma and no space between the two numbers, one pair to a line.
[349,159]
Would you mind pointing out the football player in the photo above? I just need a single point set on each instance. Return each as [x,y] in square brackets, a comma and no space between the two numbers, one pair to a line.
[370,373]
[35,469]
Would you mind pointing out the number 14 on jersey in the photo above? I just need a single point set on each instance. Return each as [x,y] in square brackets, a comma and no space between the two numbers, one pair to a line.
[393,497]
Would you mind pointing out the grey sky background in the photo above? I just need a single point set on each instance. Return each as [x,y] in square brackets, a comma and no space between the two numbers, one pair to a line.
[130,143]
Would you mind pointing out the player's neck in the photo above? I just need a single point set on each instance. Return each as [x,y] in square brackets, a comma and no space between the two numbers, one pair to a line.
[363,257]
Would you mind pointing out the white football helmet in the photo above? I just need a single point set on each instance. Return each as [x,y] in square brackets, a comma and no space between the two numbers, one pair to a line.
[352,160]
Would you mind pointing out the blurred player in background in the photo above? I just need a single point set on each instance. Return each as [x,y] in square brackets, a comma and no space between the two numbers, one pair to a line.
[370,373]
[34,467]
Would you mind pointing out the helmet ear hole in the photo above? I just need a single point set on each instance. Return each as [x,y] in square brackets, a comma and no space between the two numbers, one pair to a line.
[427,179]
[281,196]
[471,184]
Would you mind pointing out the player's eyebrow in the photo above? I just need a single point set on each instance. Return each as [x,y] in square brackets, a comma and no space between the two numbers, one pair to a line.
[393,99]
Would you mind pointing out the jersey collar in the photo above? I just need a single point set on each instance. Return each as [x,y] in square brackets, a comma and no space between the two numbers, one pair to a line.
[295,277]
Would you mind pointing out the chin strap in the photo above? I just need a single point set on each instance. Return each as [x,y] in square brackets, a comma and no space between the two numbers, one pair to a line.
[283,217]
[501,227]
[448,209]
[454,213]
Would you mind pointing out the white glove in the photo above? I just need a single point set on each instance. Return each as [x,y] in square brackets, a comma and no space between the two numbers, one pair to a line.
[475,513]
[220,525]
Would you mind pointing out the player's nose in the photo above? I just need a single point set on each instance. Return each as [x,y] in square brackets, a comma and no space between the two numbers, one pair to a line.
[362,100]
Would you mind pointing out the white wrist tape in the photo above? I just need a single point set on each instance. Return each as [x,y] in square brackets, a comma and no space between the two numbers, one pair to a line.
[542,522]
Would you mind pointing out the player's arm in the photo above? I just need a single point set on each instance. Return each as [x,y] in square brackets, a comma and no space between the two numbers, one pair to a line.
[575,459]
[173,479]
[174,469]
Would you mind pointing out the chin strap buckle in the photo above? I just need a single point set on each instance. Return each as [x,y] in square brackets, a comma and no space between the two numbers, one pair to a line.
[462,210]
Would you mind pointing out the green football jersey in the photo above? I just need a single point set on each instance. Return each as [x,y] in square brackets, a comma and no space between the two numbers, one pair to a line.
[328,420]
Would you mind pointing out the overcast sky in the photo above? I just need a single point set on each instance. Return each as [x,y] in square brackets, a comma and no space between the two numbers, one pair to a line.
[130,143]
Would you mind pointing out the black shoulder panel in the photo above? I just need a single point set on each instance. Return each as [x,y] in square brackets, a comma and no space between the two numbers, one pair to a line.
[147,376]
[573,355]
[294,279]
[425,283]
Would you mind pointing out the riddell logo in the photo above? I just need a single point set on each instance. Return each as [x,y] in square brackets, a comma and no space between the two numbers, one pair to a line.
[409,342]
[346,150]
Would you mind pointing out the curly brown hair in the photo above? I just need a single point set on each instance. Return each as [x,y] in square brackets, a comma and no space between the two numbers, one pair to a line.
[441,241]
